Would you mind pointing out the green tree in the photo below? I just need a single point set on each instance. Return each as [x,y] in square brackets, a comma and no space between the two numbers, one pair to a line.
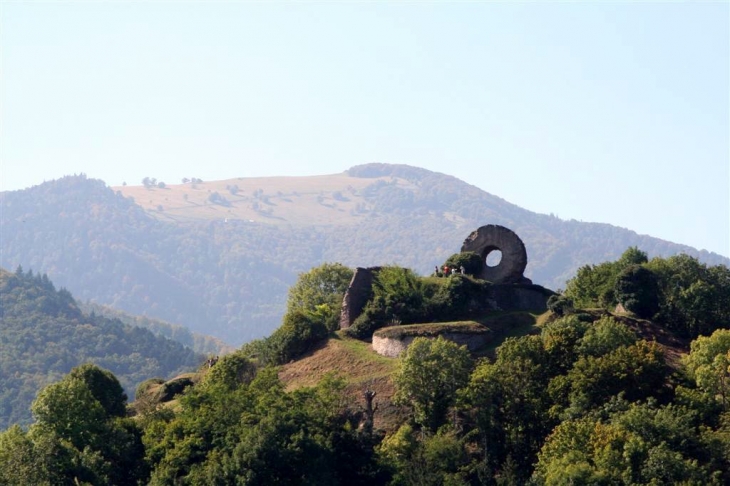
[91,444]
[638,370]
[436,459]
[398,297]
[22,462]
[594,285]
[298,334]
[259,434]
[694,298]
[472,262]
[560,305]
[320,292]
[637,289]
[430,374]
[104,387]
[638,443]
[68,409]
[633,256]
[559,340]
[231,371]
[708,363]
[508,401]
[605,335]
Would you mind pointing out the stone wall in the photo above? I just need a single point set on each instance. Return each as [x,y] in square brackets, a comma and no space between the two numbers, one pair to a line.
[357,295]
[509,291]
[518,297]
[394,347]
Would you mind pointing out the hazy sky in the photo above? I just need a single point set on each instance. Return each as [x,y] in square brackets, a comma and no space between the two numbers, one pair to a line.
[607,112]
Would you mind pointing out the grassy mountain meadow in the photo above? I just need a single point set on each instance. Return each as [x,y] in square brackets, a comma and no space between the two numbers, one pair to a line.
[219,256]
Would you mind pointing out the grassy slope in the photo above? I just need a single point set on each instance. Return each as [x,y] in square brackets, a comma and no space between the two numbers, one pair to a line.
[362,368]
[359,366]
[314,200]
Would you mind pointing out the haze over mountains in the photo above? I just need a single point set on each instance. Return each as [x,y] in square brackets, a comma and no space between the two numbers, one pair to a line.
[44,334]
[219,257]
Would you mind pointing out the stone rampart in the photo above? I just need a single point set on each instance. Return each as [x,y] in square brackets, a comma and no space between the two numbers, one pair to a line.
[393,347]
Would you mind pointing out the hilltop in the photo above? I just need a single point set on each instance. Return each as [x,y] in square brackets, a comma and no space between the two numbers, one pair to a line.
[218,257]
[580,393]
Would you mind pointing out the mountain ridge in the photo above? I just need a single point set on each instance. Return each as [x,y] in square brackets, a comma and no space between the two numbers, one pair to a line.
[227,274]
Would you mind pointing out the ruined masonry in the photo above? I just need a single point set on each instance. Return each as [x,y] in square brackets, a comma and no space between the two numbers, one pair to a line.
[511,290]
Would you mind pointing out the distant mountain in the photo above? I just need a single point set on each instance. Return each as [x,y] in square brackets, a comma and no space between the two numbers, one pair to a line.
[43,334]
[220,256]
[200,343]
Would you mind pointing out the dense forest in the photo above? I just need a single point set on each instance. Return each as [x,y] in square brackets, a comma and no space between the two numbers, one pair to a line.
[44,334]
[626,380]
[229,277]
[200,343]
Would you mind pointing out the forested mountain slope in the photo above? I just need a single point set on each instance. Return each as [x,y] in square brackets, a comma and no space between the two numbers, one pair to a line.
[43,334]
[200,343]
[219,257]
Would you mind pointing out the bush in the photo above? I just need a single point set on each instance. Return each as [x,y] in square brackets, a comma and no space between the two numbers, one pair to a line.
[605,336]
[637,289]
[319,292]
[458,297]
[144,387]
[560,305]
[472,262]
[403,298]
[298,334]
[231,371]
[174,387]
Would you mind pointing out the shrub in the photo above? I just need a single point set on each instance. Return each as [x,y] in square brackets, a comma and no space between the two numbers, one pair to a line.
[144,387]
[604,336]
[637,289]
[472,262]
[174,387]
[560,305]
[298,334]
[457,298]
[231,371]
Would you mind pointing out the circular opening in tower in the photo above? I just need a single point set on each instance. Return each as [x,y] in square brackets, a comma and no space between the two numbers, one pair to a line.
[494,258]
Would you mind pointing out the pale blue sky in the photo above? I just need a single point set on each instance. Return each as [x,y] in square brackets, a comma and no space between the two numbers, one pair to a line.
[607,112]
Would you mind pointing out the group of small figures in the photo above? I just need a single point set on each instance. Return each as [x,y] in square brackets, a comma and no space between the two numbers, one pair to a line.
[211,361]
[446,271]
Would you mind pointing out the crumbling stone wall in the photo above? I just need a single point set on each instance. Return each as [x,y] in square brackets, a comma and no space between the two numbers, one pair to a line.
[357,295]
[510,291]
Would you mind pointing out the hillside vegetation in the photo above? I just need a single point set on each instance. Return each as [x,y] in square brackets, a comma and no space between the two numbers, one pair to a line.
[575,396]
[218,257]
[44,334]
[200,343]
